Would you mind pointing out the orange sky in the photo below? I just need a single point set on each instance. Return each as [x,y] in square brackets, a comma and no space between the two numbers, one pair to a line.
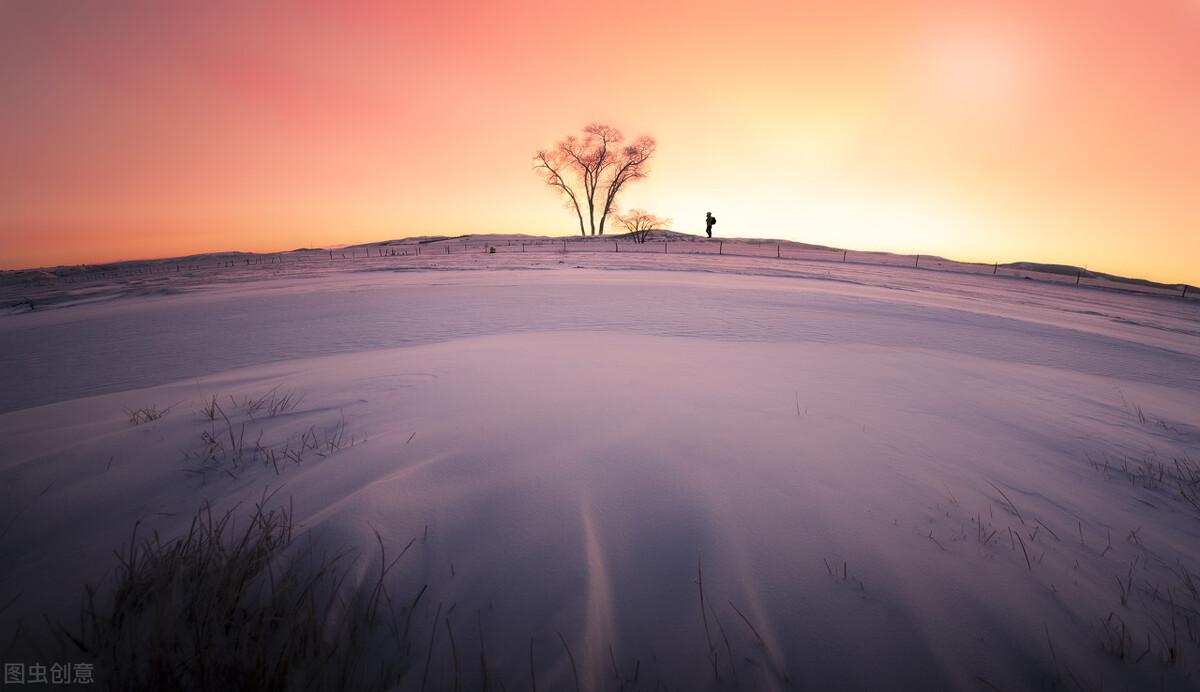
[1054,131]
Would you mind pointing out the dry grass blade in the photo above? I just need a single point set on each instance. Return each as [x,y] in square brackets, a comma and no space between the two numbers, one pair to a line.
[1023,551]
[571,658]
[746,620]
[1011,506]
[712,655]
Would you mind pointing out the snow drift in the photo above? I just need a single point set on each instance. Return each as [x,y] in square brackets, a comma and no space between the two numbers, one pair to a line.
[890,480]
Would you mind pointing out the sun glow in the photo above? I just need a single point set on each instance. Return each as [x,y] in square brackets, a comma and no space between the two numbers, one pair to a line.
[978,72]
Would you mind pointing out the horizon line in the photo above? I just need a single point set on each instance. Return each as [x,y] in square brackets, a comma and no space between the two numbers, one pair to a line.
[440,236]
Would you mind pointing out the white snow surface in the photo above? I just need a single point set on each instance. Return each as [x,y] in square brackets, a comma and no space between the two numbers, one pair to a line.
[902,479]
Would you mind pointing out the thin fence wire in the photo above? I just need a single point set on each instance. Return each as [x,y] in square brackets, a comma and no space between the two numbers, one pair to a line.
[18,286]
[767,250]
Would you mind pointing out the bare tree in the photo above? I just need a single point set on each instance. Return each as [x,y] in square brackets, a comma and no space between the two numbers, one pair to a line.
[632,164]
[601,165]
[550,164]
[640,222]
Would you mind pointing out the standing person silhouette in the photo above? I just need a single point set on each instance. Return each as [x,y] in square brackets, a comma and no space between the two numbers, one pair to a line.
[709,222]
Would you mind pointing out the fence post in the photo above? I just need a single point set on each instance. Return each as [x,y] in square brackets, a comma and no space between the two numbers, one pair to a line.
[616,248]
[1184,294]
[777,254]
[843,255]
[564,247]
[995,267]
[522,247]
[917,263]
[664,247]
[1077,273]
[721,247]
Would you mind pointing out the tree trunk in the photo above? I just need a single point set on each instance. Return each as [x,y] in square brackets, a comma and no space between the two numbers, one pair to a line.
[591,212]
[579,216]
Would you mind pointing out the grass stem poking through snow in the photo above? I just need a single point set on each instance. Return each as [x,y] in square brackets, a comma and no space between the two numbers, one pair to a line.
[1055,535]
[1011,506]
[454,656]
[712,655]
[1126,587]
[571,658]
[935,541]
[432,641]
[1025,552]
[532,672]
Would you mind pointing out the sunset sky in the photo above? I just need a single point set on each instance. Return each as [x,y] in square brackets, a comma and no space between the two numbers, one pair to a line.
[1051,131]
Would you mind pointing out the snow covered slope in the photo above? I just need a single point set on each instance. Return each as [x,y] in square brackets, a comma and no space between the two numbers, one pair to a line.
[888,478]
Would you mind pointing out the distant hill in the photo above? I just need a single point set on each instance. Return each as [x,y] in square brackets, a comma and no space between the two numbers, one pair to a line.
[1069,270]
[425,239]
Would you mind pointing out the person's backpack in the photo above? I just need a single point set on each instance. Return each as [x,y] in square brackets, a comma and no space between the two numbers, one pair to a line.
[712,221]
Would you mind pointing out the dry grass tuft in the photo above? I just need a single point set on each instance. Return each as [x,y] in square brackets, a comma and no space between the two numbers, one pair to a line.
[221,608]
[146,414]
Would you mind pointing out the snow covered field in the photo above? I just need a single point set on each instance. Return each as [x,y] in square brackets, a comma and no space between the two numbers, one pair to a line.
[890,478]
